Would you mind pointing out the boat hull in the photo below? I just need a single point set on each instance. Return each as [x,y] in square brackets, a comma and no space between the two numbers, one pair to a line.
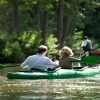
[57,74]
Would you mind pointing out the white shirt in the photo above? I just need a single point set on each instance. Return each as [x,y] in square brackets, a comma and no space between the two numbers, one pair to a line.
[84,43]
[39,61]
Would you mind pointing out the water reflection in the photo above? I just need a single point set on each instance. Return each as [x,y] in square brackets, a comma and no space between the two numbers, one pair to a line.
[62,89]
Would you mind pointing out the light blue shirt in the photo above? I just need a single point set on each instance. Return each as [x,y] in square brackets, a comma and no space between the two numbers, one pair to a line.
[38,61]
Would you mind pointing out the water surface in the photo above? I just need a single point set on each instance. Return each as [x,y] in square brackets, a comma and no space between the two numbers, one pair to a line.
[58,89]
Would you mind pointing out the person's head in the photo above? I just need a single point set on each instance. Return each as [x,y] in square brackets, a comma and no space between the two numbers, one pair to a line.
[42,49]
[66,52]
[85,37]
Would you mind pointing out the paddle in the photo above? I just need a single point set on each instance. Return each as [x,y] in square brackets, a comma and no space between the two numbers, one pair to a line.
[5,66]
[89,60]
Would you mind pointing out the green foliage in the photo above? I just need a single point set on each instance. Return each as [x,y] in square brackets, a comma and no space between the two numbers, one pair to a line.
[5,18]
[90,11]
[45,4]
[10,48]
[3,1]
[28,17]
[51,44]
[2,45]
[17,49]
[83,14]
[92,25]
[74,42]
[29,42]
[13,52]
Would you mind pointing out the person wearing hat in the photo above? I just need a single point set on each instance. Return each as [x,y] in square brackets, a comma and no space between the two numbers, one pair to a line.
[86,45]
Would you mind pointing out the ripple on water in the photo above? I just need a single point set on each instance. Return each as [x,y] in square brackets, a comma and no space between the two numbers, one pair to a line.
[80,88]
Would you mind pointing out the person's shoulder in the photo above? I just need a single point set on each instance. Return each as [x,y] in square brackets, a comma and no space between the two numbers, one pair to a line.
[31,56]
[46,57]
[88,40]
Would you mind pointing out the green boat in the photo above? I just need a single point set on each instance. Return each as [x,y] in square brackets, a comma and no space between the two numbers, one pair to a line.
[77,72]
[56,74]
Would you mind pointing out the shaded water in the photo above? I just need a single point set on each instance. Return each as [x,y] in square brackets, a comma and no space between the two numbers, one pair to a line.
[59,89]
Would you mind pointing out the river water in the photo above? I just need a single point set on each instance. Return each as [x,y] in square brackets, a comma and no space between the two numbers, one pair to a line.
[58,89]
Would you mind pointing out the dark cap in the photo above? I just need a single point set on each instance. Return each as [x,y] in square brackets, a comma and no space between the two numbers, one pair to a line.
[85,37]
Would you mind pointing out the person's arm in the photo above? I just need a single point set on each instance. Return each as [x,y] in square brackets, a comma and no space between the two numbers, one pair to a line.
[52,64]
[56,62]
[84,43]
[24,64]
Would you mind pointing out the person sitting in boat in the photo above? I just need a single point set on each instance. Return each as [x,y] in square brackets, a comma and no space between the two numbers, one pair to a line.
[40,61]
[66,59]
[86,45]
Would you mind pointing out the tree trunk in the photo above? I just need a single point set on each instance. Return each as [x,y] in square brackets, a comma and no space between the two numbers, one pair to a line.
[68,27]
[40,20]
[42,23]
[15,15]
[59,20]
[66,23]
[71,28]
[44,27]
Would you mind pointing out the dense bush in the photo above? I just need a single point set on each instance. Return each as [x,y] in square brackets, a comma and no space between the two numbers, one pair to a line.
[10,49]
[16,49]
[51,44]
[13,53]
[74,42]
